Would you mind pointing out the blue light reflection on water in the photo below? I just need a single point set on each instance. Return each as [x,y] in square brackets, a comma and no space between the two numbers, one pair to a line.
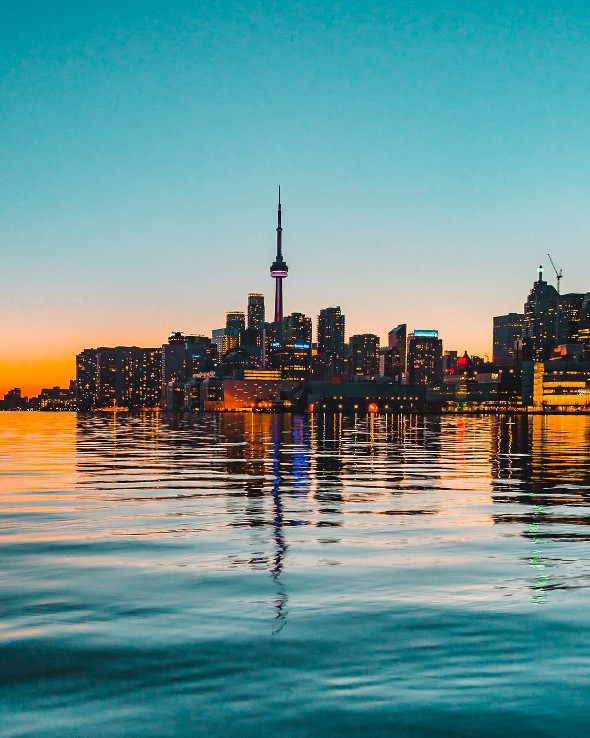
[262,575]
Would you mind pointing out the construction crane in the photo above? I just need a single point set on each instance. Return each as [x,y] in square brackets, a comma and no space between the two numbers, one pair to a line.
[558,273]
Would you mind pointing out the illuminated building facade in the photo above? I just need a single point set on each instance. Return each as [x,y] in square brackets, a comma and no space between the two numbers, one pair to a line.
[364,355]
[217,335]
[558,384]
[508,331]
[55,398]
[293,355]
[118,377]
[540,320]
[583,335]
[256,311]
[253,394]
[85,379]
[235,323]
[331,344]
[186,355]
[150,377]
[397,340]
[424,357]
[568,319]
[390,364]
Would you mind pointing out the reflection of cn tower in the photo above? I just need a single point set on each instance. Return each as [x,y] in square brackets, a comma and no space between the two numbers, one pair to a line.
[279,538]
[279,270]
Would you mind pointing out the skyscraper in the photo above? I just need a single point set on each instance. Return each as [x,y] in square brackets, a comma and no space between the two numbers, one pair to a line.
[235,323]
[540,320]
[256,311]
[508,329]
[279,271]
[583,335]
[295,352]
[568,319]
[217,338]
[364,354]
[424,357]
[397,340]
[85,379]
[183,356]
[150,377]
[330,332]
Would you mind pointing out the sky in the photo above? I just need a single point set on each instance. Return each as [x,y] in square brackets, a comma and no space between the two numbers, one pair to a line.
[429,154]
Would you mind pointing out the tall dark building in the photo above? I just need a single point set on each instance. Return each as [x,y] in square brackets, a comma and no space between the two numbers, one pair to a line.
[568,318]
[540,320]
[508,330]
[583,334]
[295,351]
[117,377]
[364,355]
[279,271]
[390,364]
[85,379]
[330,346]
[255,311]
[424,357]
[397,339]
[183,356]
[150,377]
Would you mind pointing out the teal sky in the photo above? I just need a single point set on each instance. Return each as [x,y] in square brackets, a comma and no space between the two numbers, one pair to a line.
[430,154]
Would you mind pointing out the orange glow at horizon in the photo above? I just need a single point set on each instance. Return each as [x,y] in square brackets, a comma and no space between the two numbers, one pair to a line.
[34,373]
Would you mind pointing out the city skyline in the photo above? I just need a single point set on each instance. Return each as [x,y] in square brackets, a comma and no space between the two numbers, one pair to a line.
[429,172]
[64,370]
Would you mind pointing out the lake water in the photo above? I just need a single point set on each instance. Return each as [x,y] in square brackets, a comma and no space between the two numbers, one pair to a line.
[259,575]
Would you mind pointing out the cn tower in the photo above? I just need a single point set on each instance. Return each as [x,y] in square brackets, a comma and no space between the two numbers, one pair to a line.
[279,270]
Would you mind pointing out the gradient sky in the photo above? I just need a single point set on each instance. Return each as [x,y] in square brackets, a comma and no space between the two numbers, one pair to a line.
[430,154]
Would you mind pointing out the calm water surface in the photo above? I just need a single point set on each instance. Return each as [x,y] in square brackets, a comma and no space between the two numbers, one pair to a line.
[275,575]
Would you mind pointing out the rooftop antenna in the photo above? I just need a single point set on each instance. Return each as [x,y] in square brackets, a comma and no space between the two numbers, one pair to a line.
[558,272]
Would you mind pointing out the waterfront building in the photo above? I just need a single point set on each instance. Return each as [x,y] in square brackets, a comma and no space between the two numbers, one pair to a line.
[364,355]
[85,379]
[14,400]
[256,311]
[150,377]
[331,342]
[397,340]
[540,320]
[118,377]
[55,398]
[390,364]
[185,355]
[508,331]
[249,394]
[559,384]
[424,357]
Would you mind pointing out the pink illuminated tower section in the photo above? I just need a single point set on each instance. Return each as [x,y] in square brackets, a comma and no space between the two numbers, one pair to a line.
[279,270]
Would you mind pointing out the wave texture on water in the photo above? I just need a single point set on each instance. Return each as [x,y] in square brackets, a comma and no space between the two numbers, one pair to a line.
[251,574]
